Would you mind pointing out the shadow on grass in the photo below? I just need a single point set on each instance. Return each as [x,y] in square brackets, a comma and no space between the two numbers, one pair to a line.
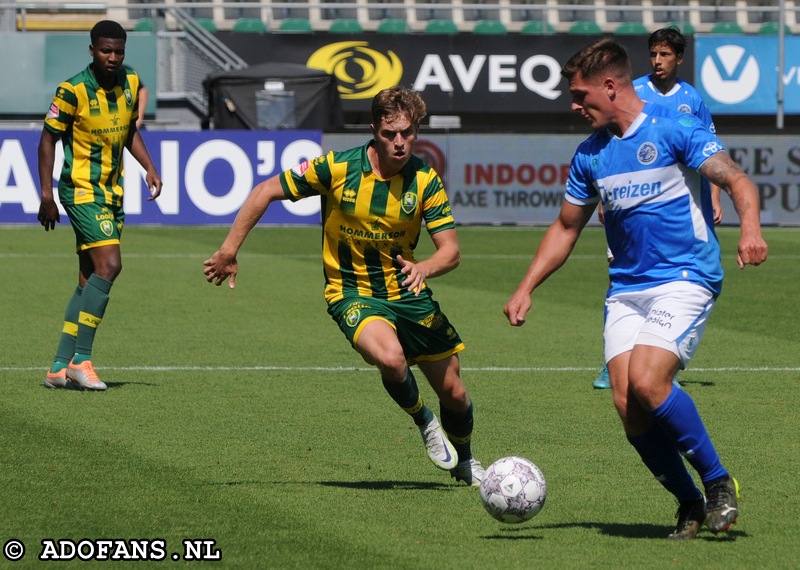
[516,532]
[364,485]
[70,387]
[647,531]
[387,485]
[116,385]
[703,383]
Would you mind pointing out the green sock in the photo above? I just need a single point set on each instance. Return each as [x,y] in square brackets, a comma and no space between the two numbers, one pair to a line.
[66,343]
[93,306]
[407,396]
[458,427]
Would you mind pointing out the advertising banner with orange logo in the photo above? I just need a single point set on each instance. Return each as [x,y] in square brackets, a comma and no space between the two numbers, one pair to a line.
[458,74]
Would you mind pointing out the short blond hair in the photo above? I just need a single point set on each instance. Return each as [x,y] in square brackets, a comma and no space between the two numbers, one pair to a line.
[398,101]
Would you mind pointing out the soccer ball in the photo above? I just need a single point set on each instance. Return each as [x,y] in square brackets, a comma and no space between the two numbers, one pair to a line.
[513,490]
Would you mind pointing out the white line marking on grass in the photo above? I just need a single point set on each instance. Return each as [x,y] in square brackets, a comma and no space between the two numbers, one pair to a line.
[316,255]
[370,369]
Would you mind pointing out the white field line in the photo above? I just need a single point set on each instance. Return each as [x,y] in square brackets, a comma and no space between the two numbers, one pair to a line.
[763,369]
[162,255]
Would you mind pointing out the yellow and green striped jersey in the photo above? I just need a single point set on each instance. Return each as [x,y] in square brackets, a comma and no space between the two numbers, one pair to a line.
[93,125]
[368,221]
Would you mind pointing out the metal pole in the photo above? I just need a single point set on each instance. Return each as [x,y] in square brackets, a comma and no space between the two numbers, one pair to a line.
[781,49]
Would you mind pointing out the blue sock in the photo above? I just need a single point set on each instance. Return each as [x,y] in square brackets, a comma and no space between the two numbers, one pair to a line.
[679,418]
[661,456]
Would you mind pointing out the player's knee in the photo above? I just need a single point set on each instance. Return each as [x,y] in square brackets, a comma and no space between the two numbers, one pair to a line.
[109,269]
[392,364]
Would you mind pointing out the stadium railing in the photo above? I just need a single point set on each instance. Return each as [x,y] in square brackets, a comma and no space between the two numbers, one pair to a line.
[558,15]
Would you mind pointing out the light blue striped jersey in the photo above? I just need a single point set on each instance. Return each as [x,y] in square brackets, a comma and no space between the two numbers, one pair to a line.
[655,221]
[682,97]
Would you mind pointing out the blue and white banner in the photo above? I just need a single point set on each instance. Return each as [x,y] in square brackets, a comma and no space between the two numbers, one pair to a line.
[207,176]
[738,75]
[490,179]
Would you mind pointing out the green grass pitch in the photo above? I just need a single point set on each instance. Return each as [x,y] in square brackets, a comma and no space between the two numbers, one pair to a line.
[244,417]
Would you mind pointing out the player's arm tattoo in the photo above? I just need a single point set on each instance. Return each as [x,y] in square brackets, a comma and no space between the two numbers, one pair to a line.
[722,170]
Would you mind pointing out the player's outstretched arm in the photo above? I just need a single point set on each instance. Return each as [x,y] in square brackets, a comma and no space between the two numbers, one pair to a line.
[223,263]
[723,171]
[553,251]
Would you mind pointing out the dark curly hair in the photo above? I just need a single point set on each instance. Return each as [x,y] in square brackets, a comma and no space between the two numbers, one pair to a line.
[107,29]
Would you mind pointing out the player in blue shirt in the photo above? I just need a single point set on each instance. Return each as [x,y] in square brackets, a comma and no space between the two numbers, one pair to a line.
[644,162]
[663,86]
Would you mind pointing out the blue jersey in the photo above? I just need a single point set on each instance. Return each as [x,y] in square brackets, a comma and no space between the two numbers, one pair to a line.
[682,97]
[655,220]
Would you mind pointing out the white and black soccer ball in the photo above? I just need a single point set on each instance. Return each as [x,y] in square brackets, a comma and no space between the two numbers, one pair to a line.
[513,490]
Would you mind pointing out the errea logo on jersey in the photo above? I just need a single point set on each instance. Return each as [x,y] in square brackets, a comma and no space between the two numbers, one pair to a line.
[301,168]
[647,153]
[730,74]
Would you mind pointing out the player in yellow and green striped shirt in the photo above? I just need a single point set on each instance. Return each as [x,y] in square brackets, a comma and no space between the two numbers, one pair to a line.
[94,114]
[374,201]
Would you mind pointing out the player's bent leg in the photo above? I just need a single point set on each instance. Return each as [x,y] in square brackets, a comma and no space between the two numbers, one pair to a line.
[456,410]
[658,452]
[378,344]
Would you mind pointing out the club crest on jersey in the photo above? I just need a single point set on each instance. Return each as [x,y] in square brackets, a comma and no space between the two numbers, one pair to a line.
[647,153]
[128,97]
[711,148]
[409,202]
[107,227]
[352,316]
[684,108]
[301,168]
